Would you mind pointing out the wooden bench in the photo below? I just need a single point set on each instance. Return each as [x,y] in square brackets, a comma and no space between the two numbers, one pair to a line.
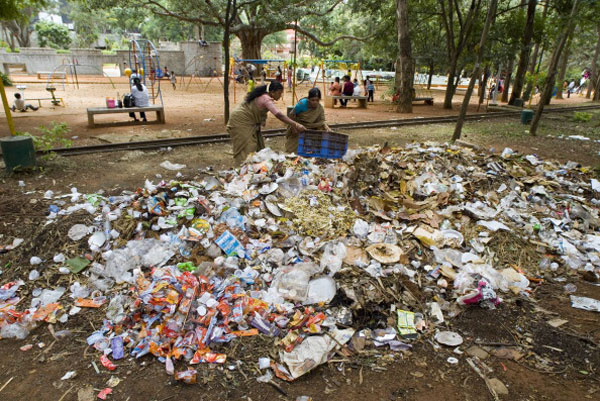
[427,100]
[160,113]
[362,100]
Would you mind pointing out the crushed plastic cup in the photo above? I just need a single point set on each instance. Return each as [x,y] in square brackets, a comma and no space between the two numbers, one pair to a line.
[292,283]
[77,232]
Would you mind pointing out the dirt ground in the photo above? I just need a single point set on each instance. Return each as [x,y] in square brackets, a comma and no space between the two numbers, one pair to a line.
[559,363]
[194,108]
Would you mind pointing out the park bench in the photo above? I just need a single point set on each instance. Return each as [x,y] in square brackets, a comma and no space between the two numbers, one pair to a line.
[160,112]
[427,100]
[362,100]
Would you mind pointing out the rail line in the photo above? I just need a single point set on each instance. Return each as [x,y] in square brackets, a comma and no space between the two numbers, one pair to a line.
[224,137]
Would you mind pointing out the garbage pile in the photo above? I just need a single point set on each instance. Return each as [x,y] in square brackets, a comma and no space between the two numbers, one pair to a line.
[375,250]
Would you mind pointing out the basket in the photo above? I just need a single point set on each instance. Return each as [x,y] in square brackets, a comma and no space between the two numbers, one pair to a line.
[324,144]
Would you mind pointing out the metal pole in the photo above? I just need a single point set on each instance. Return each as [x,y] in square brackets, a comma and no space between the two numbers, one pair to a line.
[11,124]
[294,66]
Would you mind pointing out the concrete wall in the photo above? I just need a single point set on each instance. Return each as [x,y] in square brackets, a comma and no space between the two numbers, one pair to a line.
[190,58]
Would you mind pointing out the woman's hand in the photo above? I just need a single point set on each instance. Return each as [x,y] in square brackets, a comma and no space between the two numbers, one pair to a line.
[299,127]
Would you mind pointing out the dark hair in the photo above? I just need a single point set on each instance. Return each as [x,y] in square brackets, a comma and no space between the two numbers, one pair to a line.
[138,85]
[314,92]
[18,95]
[262,89]
[337,79]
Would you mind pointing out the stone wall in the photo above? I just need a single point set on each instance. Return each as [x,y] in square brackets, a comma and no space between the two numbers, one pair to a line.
[191,58]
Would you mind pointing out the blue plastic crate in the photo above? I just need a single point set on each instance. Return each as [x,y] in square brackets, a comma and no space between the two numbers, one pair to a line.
[324,144]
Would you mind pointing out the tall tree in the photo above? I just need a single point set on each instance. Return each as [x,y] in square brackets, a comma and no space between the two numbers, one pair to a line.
[458,29]
[476,70]
[255,19]
[552,68]
[405,65]
[562,69]
[230,15]
[526,42]
[594,72]
[18,20]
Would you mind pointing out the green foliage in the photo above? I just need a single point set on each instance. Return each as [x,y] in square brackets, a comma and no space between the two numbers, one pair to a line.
[582,117]
[5,79]
[51,138]
[53,35]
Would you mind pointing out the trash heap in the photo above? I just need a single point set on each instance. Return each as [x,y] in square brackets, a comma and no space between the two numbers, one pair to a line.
[375,250]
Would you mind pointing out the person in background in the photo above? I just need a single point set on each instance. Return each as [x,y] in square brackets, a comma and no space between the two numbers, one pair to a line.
[279,75]
[308,112]
[263,75]
[247,119]
[251,70]
[347,90]
[173,79]
[335,89]
[19,104]
[251,84]
[370,90]
[290,74]
[166,73]
[570,88]
[140,97]
[357,91]
[133,76]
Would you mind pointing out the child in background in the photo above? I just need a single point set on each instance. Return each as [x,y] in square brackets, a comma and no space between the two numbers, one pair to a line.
[173,79]
[20,104]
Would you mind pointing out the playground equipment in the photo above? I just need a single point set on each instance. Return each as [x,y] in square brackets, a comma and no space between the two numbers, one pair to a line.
[266,62]
[68,68]
[195,65]
[144,59]
[345,63]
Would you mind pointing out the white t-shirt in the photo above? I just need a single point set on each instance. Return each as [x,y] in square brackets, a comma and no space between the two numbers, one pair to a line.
[19,104]
[356,91]
[141,97]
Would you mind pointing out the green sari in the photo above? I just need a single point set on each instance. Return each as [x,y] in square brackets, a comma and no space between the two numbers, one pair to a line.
[313,119]
[244,128]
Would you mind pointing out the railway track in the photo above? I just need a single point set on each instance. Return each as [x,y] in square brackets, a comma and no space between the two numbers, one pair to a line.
[224,137]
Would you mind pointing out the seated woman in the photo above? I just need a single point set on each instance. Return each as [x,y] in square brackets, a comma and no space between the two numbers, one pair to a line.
[246,120]
[308,112]
[140,96]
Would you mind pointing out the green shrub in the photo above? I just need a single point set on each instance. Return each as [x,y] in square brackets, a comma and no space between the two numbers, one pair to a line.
[51,137]
[5,79]
[582,117]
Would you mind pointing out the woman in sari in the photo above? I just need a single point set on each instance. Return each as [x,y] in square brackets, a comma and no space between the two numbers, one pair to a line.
[308,112]
[246,120]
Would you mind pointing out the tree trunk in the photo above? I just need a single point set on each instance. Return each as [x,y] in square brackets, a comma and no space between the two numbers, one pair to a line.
[251,41]
[534,57]
[562,70]
[597,90]
[431,66]
[509,72]
[229,11]
[552,69]
[450,88]
[525,50]
[594,76]
[482,86]
[405,67]
[480,50]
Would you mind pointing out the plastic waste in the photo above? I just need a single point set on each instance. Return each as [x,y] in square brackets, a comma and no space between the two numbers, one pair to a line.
[313,351]
[77,232]
[333,256]
[292,283]
[172,166]
[449,338]
[35,260]
[320,290]
[585,303]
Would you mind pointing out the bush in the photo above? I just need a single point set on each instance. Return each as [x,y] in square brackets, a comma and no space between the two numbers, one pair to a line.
[5,79]
[53,35]
[51,137]
[582,117]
